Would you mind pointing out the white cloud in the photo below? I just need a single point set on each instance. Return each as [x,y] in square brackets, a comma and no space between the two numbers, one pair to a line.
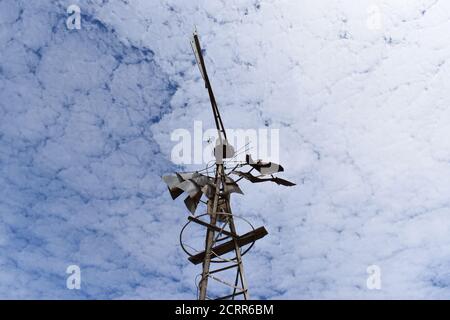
[85,130]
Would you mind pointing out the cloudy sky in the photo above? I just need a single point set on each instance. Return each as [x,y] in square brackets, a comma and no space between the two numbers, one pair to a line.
[358,90]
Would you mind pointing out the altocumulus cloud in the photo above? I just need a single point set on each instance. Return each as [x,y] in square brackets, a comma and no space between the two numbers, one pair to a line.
[85,124]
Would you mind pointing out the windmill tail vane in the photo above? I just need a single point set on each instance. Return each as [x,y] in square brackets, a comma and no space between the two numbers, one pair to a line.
[224,246]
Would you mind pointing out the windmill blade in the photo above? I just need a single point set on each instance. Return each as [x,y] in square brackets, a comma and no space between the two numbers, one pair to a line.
[192,202]
[172,184]
[265,168]
[253,179]
[283,182]
[172,181]
[248,176]
[202,180]
[231,186]
[187,175]
[175,192]
[190,187]
[196,177]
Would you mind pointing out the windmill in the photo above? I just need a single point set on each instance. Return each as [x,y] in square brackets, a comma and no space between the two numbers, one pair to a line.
[223,245]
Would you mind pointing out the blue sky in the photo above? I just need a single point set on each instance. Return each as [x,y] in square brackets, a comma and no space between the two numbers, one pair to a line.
[358,92]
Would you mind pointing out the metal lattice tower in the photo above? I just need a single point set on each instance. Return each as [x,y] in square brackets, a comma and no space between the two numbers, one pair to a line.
[223,245]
